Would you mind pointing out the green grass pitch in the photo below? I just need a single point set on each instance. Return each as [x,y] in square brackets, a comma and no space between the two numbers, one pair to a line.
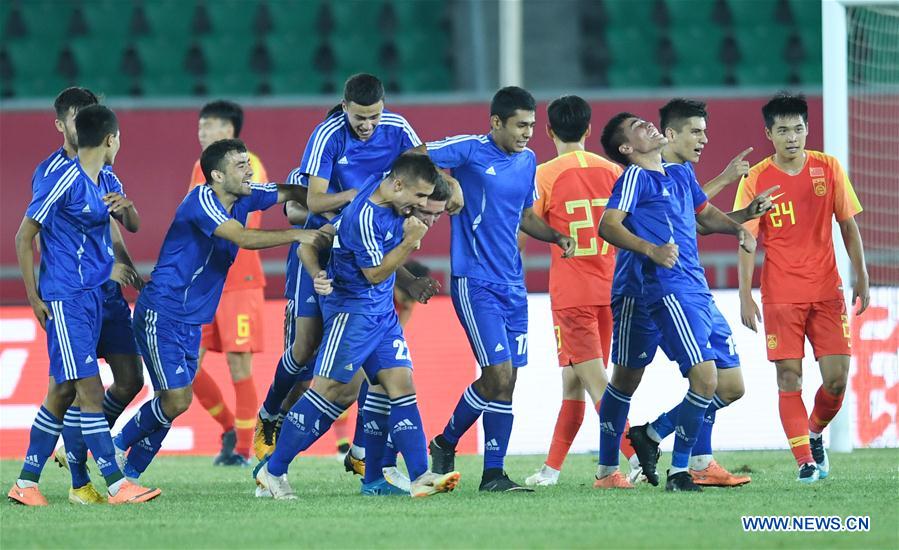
[206,507]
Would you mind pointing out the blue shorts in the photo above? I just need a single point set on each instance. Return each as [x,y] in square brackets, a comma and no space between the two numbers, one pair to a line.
[693,331]
[306,302]
[116,334]
[72,335]
[635,337]
[354,340]
[168,346]
[495,318]
[290,336]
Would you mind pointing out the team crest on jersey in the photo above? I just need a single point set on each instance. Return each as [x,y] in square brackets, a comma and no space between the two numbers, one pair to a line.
[772,341]
[820,186]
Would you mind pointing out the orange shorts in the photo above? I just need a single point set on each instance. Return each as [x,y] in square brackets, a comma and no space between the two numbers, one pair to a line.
[237,327]
[582,333]
[825,323]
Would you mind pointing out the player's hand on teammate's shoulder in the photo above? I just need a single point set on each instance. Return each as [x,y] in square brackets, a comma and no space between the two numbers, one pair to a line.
[414,229]
[314,237]
[761,204]
[665,255]
[738,166]
[456,201]
[322,284]
[125,275]
[568,246]
[41,311]
[747,241]
[749,313]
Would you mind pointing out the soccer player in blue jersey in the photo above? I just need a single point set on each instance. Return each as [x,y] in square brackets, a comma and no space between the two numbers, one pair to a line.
[652,218]
[358,139]
[70,211]
[497,172]
[116,344]
[187,283]
[362,336]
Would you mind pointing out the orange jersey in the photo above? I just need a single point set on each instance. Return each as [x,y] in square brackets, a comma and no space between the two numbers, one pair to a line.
[573,191]
[246,271]
[799,265]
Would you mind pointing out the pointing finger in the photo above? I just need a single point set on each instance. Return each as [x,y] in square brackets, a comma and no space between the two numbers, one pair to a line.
[743,154]
[768,192]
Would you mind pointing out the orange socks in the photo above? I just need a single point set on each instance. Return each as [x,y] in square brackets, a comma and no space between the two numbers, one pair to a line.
[827,405]
[210,397]
[571,416]
[795,422]
[246,405]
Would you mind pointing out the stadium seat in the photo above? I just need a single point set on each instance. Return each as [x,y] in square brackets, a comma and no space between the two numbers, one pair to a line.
[637,45]
[308,82]
[226,54]
[107,18]
[634,75]
[431,78]
[762,44]
[96,56]
[697,44]
[416,52]
[752,13]
[231,16]
[807,15]
[352,17]
[356,54]
[422,16]
[290,17]
[692,74]
[690,13]
[624,13]
[171,19]
[244,83]
[167,85]
[811,73]
[291,54]
[762,74]
[32,58]
[44,85]
[162,60]
[117,85]
[47,19]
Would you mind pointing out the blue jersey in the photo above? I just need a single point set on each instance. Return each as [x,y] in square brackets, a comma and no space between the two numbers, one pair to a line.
[76,246]
[48,166]
[187,282]
[497,187]
[366,233]
[662,209]
[293,262]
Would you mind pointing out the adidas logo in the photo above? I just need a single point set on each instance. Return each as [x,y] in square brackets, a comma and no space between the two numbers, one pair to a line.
[372,428]
[490,171]
[297,420]
[316,428]
[89,360]
[145,444]
[388,236]
[348,367]
[33,460]
[679,432]
[608,428]
[665,193]
[642,356]
[343,160]
[102,462]
[499,347]
[404,424]
[491,445]
[310,300]
[71,458]
[179,370]
[87,208]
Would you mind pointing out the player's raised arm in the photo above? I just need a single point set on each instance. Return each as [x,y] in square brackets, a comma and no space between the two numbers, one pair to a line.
[716,221]
[735,169]
[414,231]
[320,201]
[292,193]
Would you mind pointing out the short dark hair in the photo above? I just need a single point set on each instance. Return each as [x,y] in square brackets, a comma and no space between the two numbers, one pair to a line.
[441,189]
[225,110]
[569,118]
[415,166]
[785,104]
[363,89]
[613,137]
[675,113]
[93,123]
[510,99]
[74,97]
[211,158]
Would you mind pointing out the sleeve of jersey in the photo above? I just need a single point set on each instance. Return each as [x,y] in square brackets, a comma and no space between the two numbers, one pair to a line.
[452,152]
[542,192]
[845,202]
[626,192]
[745,194]
[318,159]
[264,195]
[535,193]
[366,239]
[700,199]
[296,177]
[115,184]
[410,138]
[205,211]
[50,194]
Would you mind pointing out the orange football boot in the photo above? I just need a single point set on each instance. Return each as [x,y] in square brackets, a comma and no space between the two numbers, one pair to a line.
[613,481]
[716,476]
[28,496]
[132,493]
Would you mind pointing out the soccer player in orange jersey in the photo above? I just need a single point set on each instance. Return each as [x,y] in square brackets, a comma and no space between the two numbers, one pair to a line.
[573,189]
[237,329]
[802,294]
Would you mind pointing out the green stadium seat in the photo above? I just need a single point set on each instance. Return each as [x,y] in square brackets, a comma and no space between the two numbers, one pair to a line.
[807,14]
[108,18]
[308,82]
[752,13]
[636,44]
[290,17]
[117,85]
[232,16]
[692,75]
[774,73]
[353,16]
[167,85]
[47,19]
[245,83]
[356,54]
[292,53]
[690,13]
[226,53]
[170,19]
[697,44]
[761,45]
[418,15]
[96,55]
[428,79]
[32,58]
[811,73]
[161,59]
[418,51]
[44,85]
[634,75]
[630,13]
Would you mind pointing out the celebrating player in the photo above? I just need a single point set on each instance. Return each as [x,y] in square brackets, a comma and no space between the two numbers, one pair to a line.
[70,210]
[496,172]
[573,189]
[362,336]
[653,213]
[802,294]
[237,327]
[187,283]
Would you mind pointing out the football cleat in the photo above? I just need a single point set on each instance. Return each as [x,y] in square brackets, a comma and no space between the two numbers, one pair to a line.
[543,477]
[60,458]
[278,486]
[819,453]
[381,488]
[681,481]
[234,460]
[120,458]
[443,460]
[613,481]
[647,452]
[86,495]
[716,476]
[636,476]
[808,473]
[398,479]
[354,465]
[264,437]
[497,481]
[430,483]
[132,493]
[26,496]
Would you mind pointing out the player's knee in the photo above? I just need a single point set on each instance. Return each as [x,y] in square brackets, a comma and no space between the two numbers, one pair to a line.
[626,380]
[730,389]
[788,380]
[176,402]
[704,379]
[836,386]
[60,397]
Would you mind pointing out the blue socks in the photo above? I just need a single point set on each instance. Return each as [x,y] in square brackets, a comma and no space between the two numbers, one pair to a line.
[467,411]
[148,419]
[76,449]
[97,438]
[143,452]
[689,420]
[309,418]
[45,432]
[408,434]
[285,377]
[375,415]
[613,411]
[498,419]
[112,409]
[664,426]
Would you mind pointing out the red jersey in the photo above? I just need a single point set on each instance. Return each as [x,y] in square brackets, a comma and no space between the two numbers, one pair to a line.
[246,271]
[573,191]
[797,234]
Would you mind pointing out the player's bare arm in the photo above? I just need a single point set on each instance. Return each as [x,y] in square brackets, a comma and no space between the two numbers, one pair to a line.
[309,257]
[256,239]
[28,230]
[735,169]
[421,289]
[122,209]
[750,314]
[413,231]
[296,213]
[120,251]
[533,225]
[754,210]
[852,239]
[716,221]
[613,231]
[295,193]
[320,201]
